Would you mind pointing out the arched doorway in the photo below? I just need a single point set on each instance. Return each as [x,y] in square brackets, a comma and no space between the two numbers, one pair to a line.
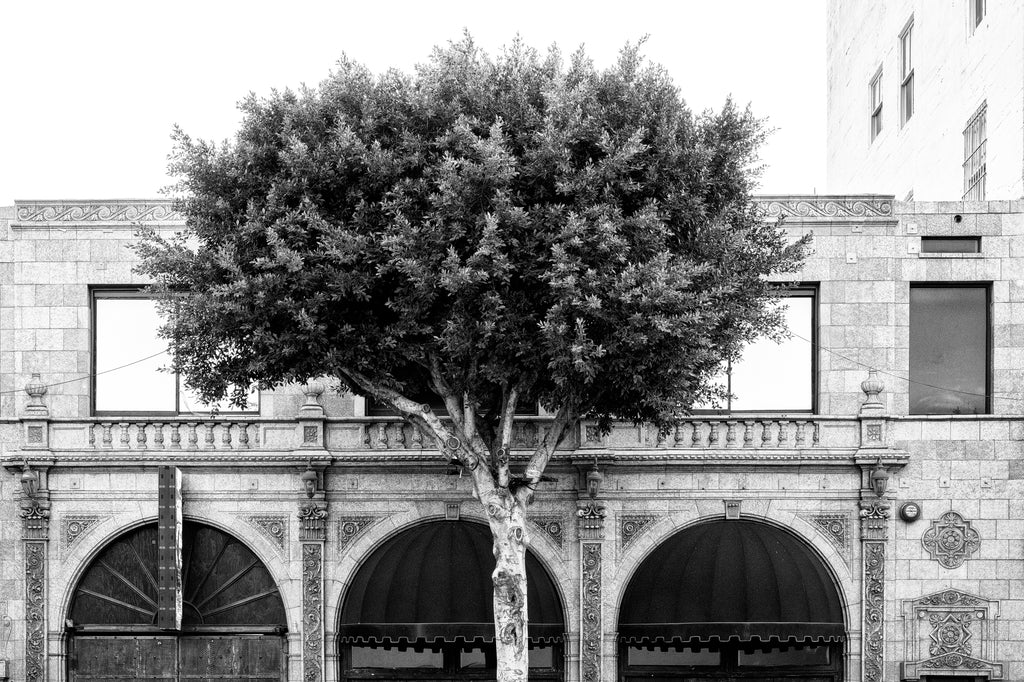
[420,607]
[731,600]
[233,620]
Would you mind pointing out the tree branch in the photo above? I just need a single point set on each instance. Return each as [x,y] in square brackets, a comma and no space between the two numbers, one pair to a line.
[543,453]
[508,411]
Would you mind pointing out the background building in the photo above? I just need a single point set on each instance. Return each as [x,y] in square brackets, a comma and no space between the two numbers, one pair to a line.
[853,525]
[926,99]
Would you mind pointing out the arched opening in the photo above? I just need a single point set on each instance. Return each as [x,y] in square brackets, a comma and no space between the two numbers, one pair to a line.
[420,607]
[731,600]
[233,619]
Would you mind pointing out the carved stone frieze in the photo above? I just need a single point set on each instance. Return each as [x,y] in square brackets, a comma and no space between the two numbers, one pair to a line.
[868,206]
[590,625]
[351,527]
[312,612]
[96,212]
[874,611]
[950,633]
[632,526]
[951,540]
[551,526]
[272,527]
[35,611]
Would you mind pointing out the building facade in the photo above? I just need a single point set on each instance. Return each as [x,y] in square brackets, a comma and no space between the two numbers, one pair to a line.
[860,518]
[926,99]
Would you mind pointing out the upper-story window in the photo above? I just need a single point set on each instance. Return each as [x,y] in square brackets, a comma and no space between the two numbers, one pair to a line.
[977,9]
[975,135]
[907,72]
[776,375]
[128,358]
[949,349]
[875,94]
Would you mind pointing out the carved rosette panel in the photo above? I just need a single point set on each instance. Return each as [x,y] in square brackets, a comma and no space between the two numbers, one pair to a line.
[551,526]
[950,633]
[35,611]
[590,626]
[633,526]
[351,527]
[951,540]
[835,528]
[273,528]
[312,612]
[874,610]
[74,528]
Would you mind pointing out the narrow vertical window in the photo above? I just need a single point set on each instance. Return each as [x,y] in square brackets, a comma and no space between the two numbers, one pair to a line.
[907,72]
[975,135]
[875,90]
[977,10]
[949,358]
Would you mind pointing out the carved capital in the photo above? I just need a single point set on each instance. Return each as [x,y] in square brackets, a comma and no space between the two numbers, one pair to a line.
[35,518]
[591,521]
[313,521]
[874,519]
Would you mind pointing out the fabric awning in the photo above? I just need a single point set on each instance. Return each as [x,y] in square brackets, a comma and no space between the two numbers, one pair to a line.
[432,583]
[731,580]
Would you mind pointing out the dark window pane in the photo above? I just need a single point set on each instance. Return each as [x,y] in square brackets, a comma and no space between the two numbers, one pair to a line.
[777,656]
[950,244]
[673,657]
[542,657]
[367,657]
[948,350]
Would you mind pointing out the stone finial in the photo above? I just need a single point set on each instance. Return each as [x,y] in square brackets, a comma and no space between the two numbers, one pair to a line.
[313,389]
[36,389]
[872,387]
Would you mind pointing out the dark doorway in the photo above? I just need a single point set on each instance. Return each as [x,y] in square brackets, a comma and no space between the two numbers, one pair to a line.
[731,600]
[233,619]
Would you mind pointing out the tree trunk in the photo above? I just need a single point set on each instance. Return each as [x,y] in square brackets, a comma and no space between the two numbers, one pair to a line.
[507,518]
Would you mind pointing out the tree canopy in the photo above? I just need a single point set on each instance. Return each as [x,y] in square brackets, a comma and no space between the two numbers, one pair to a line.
[492,232]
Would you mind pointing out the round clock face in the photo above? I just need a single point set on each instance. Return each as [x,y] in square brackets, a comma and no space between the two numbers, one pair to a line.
[910,511]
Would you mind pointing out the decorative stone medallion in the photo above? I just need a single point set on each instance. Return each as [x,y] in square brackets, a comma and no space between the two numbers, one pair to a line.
[951,540]
[551,526]
[950,633]
[632,526]
[274,528]
[351,527]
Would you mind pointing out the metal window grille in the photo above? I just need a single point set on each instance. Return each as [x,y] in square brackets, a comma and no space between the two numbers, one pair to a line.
[975,137]
[907,72]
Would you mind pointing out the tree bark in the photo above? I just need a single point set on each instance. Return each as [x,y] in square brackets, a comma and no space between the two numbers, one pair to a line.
[507,518]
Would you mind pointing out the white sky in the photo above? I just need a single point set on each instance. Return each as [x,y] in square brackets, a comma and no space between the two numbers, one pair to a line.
[89,91]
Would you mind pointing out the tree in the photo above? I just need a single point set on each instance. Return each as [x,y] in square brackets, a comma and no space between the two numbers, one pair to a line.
[491,232]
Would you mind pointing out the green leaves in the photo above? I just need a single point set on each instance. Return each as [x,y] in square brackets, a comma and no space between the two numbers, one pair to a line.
[571,233]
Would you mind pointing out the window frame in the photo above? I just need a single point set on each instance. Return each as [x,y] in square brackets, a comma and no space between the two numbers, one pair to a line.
[987,288]
[802,290]
[906,60]
[975,150]
[977,10]
[136,292]
[966,240]
[875,99]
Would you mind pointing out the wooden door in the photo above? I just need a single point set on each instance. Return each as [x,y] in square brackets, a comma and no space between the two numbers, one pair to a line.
[118,659]
[237,658]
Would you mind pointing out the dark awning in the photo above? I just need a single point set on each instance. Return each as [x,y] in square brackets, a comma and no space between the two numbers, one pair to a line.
[736,580]
[432,584]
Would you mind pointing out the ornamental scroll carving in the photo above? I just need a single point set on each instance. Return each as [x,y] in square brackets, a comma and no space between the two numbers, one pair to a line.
[97,212]
[951,540]
[590,626]
[836,529]
[351,527]
[552,526]
[826,207]
[874,610]
[35,611]
[632,527]
[312,612]
[273,528]
[950,633]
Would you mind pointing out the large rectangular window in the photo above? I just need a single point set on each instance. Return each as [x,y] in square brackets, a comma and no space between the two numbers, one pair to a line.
[776,375]
[975,137]
[949,349]
[129,357]
[907,72]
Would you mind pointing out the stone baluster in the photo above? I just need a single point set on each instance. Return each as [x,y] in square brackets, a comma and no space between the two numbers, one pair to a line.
[108,436]
[158,435]
[730,433]
[175,436]
[695,436]
[243,436]
[208,441]
[382,435]
[225,436]
[748,434]
[713,434]
[766,432]
[417,437]
[783,433]
[400,436]
[677,435]
[92,436]
[125,442]
[800,433]
[193,436]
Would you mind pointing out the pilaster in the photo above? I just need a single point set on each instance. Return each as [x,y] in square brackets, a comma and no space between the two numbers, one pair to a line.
[313,535]
[590,518]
